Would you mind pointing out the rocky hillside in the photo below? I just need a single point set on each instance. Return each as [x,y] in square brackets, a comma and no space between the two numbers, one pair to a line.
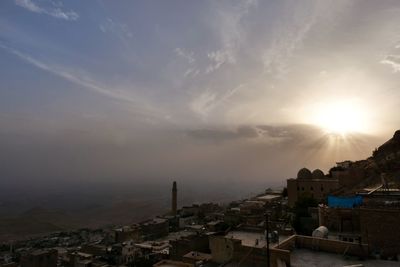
[385,159]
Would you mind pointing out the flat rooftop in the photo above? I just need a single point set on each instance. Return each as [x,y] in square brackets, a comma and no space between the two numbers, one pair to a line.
[309,258]
[249,239]
[198,256]
[177,235]
[170,263]
[252,239]
[268,197]
[154,245]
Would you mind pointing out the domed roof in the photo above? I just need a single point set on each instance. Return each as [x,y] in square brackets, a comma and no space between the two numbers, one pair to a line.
[318,174]
[304,174]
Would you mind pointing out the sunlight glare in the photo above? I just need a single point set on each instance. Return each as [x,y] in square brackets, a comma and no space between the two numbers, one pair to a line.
[340,117]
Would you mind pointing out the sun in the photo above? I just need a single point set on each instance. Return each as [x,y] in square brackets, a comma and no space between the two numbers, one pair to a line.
[340,117]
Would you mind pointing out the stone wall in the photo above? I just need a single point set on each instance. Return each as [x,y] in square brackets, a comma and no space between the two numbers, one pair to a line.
[379,230]
[332,246]
[349,177]
[316,188]
[40,258]
[181,247]
[340,219]
[280,254]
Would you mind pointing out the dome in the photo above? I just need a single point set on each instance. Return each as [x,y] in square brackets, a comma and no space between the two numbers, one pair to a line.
[318,174]
[304,174]
[321,232]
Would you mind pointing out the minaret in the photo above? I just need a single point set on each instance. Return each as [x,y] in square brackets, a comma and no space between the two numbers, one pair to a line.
[174,198]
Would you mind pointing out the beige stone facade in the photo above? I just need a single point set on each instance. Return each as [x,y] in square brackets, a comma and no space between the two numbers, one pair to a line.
[314,184]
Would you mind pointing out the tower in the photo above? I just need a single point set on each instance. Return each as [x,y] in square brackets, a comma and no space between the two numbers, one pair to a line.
[174,198]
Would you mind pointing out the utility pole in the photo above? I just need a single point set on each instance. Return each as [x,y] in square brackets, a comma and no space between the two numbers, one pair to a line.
[267,237]
[174,199]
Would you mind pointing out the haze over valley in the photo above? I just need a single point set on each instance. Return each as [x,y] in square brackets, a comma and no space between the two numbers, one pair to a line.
[104,104]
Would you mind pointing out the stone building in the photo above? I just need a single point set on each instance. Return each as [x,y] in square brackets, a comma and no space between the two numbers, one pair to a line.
[127,233]
[344,223]
[40,258]
[154,229]
[299,250]
[174,200]
[180,247]
[240,247]
[315,184]
[348,173]
[123,253]
[169,263]
[79,259]
[379,230]
[373,226]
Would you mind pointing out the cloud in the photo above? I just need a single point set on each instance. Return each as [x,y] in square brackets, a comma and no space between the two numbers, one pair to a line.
[138,104]
[191,72]
[208,100]
[302,144]
[393,61]
[242,132]
[230,32]
[219,58]
[297,23]
[80,80]
[288,134]
[189,56]
[204,103]
[119,29]
[54,11]
[276,57]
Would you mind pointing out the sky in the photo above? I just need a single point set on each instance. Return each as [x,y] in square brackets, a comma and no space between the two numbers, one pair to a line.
[240,93]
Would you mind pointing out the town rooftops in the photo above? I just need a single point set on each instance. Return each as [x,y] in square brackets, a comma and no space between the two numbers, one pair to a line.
[154,221]
[169,263]
[198,256]
[310,258]
[41,252]
[268,197]
[252,238]
[178,235]
[248,239]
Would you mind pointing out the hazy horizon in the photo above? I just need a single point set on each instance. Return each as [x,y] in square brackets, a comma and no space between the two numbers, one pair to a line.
[229,94]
